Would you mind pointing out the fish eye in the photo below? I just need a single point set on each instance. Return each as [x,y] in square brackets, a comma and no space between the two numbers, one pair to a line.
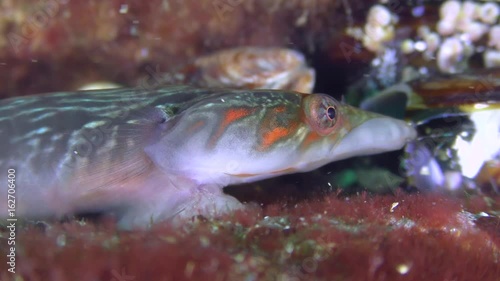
[331,112]
[320,112]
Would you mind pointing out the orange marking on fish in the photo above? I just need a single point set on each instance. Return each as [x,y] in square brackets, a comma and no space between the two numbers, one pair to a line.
[276,125]
[277,172]
[195,126]
[230,116]
[285,171]
[280,109]
[310,138]
[235,114]
[274,135]
[243,175]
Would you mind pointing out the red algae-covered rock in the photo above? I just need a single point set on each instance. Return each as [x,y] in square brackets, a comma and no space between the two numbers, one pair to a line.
[399,237]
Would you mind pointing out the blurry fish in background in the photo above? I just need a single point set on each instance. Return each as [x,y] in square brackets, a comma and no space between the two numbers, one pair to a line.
[248,68]
[237,68]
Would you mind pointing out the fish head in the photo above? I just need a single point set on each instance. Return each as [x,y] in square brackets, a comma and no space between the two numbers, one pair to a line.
[244,136]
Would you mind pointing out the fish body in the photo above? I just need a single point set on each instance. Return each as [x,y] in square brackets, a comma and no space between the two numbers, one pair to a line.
[166,153]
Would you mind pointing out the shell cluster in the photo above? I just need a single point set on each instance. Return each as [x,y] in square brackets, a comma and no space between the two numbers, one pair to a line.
[445,57]
[463,30]
[378,30]
[461,27]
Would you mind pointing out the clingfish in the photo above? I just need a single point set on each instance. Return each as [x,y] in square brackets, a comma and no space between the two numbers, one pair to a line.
[164,154]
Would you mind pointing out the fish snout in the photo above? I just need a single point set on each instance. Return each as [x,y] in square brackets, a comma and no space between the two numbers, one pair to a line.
[377,135]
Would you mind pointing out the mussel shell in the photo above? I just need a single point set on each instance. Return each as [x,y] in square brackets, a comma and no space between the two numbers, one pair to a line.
[464,91]
[443,109]
[456,90]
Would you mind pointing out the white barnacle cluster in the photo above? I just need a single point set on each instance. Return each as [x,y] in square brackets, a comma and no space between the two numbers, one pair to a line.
[463,24]
[491,56]
[464,28]
[378,29]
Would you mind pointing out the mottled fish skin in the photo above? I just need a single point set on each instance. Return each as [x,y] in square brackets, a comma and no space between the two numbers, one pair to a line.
[49,137]
[166,153]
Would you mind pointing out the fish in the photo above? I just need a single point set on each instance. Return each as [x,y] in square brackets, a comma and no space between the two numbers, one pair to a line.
[248,67]
[165,153]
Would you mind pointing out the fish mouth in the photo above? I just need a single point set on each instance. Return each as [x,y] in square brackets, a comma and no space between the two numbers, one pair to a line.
[377,135]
